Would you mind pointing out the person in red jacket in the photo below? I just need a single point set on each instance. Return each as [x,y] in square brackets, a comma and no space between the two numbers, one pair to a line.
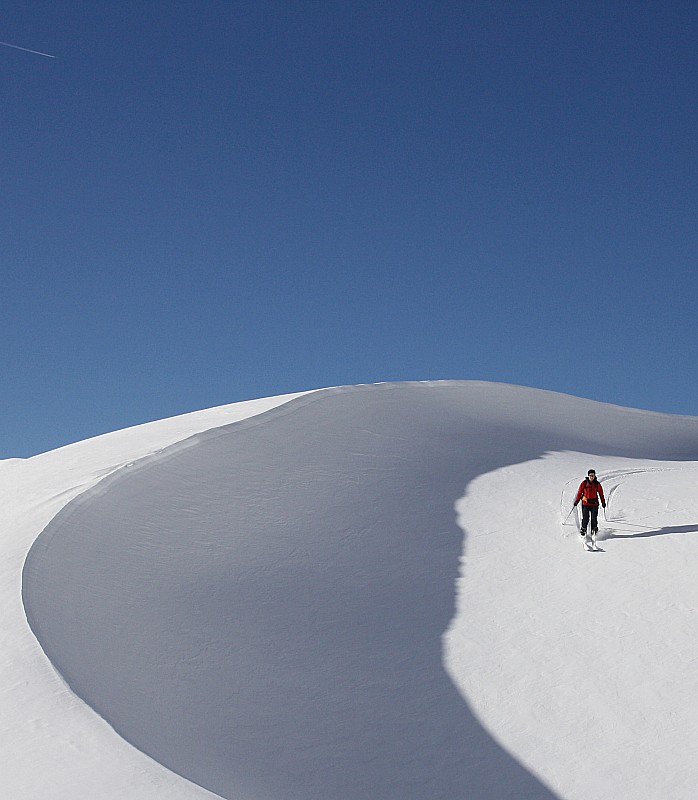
[590,493]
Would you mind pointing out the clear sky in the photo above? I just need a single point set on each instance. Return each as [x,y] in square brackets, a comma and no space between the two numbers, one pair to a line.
[204,202]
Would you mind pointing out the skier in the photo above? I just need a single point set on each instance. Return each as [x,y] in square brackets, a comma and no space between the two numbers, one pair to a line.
[590,491]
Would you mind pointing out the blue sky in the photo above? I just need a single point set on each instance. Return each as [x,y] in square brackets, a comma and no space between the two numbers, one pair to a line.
[206,202]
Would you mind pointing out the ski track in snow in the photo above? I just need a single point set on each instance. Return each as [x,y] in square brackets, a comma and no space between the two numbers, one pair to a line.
[303,660]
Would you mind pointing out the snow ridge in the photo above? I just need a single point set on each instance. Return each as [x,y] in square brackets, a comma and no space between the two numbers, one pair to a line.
[263,610]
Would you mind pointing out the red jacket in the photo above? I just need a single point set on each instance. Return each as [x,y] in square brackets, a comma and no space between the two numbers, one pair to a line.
[589,493]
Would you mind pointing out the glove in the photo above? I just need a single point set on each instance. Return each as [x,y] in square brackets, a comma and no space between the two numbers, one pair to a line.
[575,504]
[603,505]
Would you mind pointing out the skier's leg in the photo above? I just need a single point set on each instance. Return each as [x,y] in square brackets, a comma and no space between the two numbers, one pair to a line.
[594,520]
[585,519]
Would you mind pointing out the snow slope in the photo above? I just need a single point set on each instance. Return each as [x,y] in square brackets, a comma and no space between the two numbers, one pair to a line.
[359,593]
[585,667]
[52,746]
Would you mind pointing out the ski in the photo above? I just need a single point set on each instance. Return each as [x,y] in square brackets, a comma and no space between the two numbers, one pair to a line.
[590,544]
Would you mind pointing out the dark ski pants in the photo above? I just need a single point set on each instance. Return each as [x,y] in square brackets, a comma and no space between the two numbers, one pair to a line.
[590,513]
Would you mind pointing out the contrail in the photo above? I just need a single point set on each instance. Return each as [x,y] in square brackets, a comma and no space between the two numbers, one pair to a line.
[26,50]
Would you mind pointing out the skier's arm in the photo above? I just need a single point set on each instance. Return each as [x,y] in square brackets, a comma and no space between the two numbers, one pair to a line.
[603,499]
[579,493]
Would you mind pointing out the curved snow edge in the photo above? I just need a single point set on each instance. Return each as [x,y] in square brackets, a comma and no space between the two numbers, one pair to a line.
[49,722]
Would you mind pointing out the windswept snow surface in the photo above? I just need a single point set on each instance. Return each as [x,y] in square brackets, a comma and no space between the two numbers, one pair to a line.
[366,593]
[52,746]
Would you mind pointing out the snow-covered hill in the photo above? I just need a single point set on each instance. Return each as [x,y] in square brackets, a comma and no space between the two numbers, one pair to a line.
[355,593]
